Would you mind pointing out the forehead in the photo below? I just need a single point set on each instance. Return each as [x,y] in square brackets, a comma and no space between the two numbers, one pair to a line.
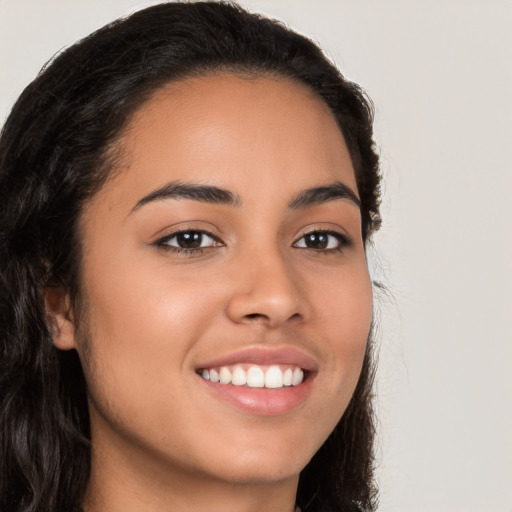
[234,131]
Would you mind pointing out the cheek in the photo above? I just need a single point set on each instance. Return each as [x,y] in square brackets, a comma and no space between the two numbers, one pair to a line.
[343,315]
[354,316]
[143,322]
[143,303]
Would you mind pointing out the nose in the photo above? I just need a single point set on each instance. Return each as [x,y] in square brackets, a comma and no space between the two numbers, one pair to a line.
[267,291]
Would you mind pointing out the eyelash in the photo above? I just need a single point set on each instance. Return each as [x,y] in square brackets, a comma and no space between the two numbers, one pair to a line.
[163,243]
[343,241]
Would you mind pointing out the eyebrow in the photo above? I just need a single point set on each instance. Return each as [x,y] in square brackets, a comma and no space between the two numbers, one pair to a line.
[194,191]
[216,195]
[318,195]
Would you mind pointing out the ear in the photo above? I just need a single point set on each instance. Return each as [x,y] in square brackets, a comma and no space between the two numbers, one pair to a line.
[59,316]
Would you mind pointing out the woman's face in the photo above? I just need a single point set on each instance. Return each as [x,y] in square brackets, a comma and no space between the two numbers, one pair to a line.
[227,246]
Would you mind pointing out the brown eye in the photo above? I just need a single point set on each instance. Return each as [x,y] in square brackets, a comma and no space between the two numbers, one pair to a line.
[188,241]
[322,241]
[317,240]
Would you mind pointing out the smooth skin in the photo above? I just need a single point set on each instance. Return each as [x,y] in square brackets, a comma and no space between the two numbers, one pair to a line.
[155,309]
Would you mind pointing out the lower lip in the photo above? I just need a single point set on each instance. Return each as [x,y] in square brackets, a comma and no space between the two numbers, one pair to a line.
[262,401]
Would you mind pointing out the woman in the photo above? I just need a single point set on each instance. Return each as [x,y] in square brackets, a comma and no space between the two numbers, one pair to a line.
[185,301]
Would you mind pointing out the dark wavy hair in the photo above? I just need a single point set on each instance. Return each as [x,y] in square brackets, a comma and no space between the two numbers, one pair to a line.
[57,148]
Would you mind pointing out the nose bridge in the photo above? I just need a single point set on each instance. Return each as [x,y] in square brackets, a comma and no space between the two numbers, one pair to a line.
[267,288]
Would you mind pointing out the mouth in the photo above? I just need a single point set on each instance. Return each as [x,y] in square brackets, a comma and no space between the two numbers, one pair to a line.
[260,381]
[255,376]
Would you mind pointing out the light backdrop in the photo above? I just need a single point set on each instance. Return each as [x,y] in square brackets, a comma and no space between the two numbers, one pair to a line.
[440,74]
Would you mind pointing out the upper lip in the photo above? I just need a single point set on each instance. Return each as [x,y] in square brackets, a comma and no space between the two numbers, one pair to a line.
[264,356]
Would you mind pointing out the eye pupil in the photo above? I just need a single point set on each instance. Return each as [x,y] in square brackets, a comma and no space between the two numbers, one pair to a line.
[189,240]
[317,240]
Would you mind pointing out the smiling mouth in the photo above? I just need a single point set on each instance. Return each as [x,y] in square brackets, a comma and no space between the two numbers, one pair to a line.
[255,376]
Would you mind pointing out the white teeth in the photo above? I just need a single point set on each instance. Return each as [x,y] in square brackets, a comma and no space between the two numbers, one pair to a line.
[287,377]
[225,375]
[274,377]
[298,376]
[255,377]
[239,377]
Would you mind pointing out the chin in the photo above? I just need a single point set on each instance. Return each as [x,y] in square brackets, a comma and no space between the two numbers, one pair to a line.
[268,472]
[265,466]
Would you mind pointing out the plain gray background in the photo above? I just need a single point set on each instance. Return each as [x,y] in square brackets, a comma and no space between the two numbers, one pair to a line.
[440,74]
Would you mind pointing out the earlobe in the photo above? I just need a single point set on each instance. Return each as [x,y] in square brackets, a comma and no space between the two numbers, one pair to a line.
[59,316]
